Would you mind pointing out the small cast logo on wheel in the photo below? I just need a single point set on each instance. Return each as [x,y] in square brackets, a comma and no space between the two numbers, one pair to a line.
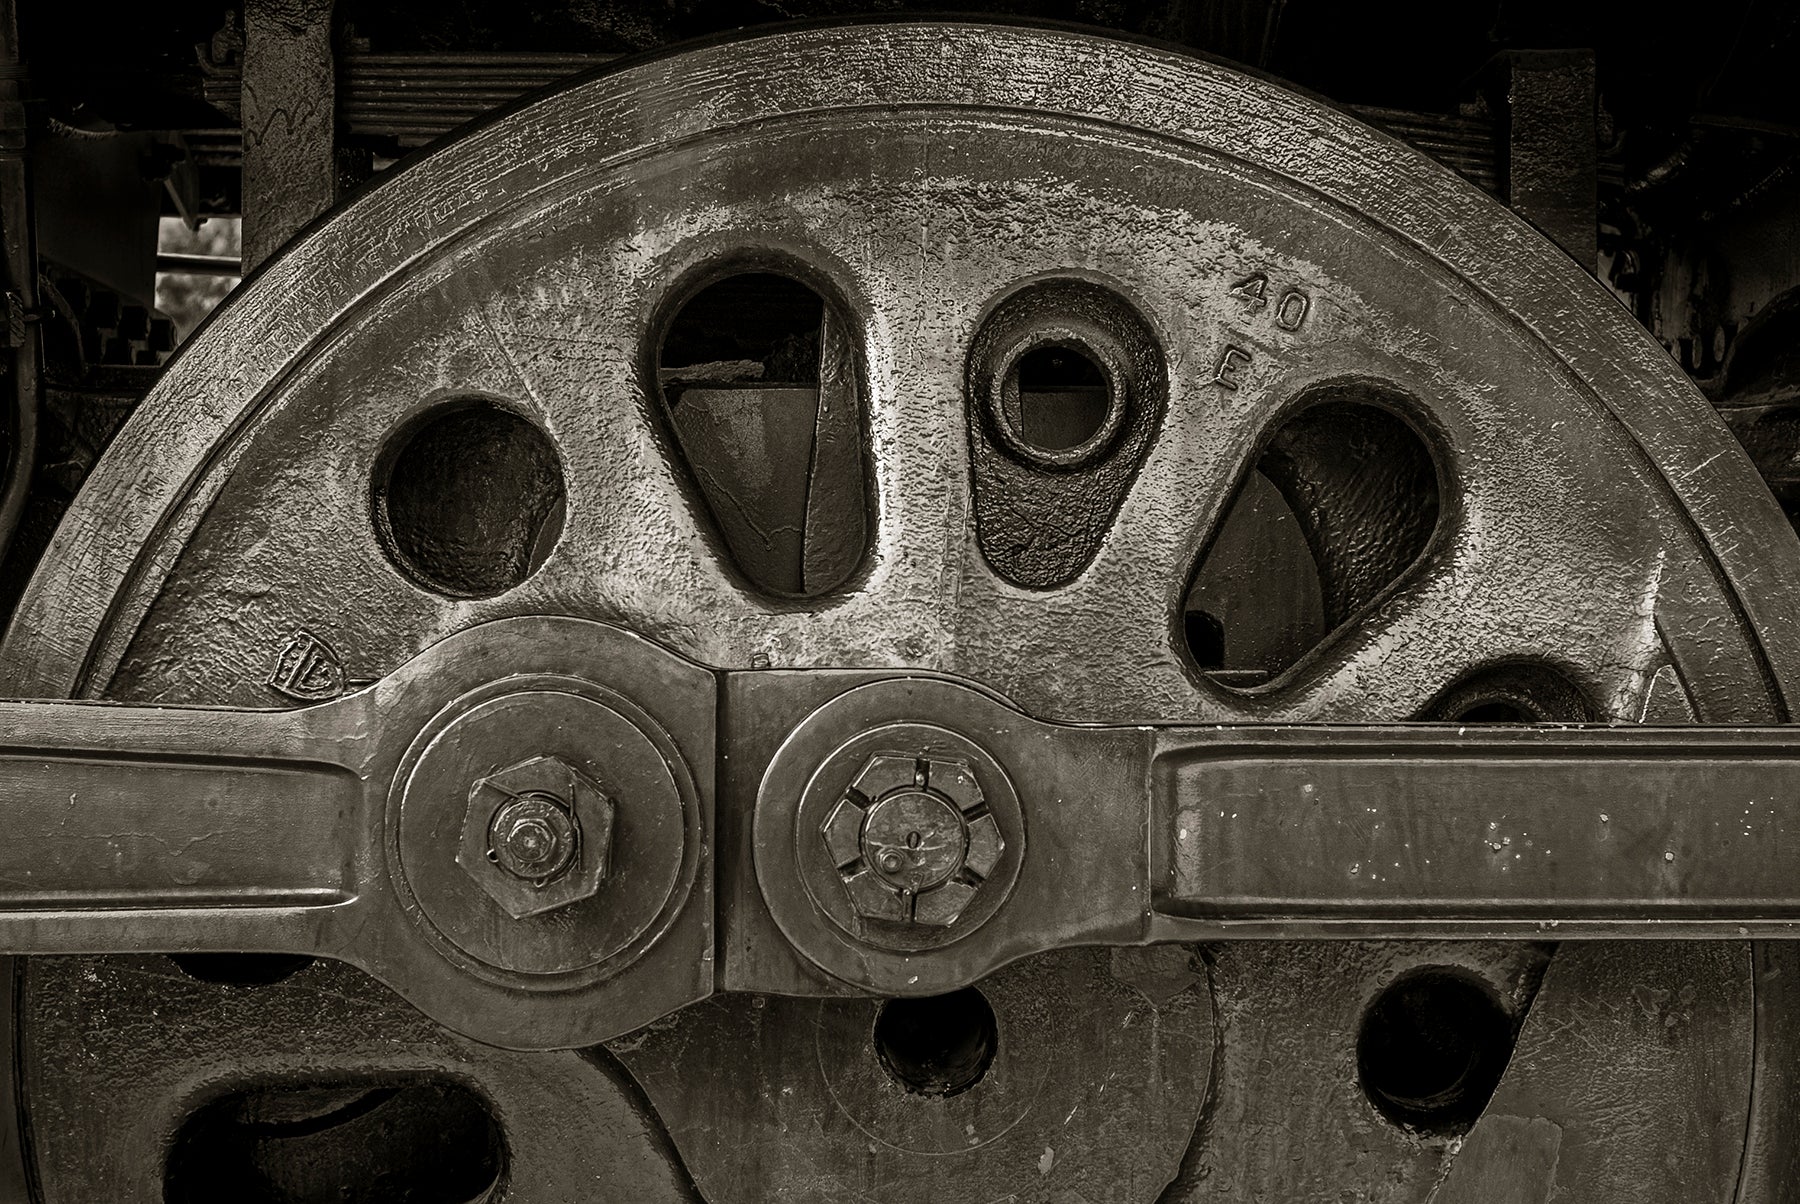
[306,668]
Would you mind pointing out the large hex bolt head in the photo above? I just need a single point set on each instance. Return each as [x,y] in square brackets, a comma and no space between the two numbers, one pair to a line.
[912,840]
[537,836]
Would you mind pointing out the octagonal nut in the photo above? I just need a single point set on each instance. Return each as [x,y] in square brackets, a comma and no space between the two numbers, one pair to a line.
[912,840]
[884,772]
[526,794]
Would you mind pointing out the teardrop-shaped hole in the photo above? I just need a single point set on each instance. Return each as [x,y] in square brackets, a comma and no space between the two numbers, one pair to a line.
[757,377]
[1254,607]
[371,1143]
[1343,500]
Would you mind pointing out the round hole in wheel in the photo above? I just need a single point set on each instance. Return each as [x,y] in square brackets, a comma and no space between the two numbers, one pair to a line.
[1059,373]
[1056,398]
[1432,1048]
[469,499]
[940,1045]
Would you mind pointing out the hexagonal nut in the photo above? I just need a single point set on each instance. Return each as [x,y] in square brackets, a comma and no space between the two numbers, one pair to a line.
[891,771]
[589,810]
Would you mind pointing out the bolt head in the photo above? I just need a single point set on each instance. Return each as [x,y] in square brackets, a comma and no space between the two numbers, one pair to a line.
[534,837]
[904,843]
[915,839]
[537,836]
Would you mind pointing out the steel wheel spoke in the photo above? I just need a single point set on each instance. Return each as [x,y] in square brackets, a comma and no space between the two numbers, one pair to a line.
[176,829]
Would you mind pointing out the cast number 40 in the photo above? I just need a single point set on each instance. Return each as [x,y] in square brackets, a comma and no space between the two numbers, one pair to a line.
[1290,307]
[1289,311]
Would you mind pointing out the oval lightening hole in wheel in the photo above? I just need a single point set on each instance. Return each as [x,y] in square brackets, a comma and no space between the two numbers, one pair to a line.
[1343,500]
[940,1045]
[1056,397]
[241,969]
[469,499]
[759,385]
[421,1143]
[1432,1049]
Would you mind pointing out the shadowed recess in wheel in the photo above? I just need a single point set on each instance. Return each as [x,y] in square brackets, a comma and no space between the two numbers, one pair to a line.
[759,380]
[939,1045]
[469,499]
[1518,692]
[1056,397]
[241,969]
[418,1143]
[1343,500]
[1432,1048]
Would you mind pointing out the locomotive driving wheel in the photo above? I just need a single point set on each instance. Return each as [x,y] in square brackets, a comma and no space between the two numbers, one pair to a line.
[962,362]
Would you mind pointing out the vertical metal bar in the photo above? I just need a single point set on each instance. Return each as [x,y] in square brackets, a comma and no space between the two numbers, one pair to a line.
[1553,152]
[20,281]
[289,119]
[835,530]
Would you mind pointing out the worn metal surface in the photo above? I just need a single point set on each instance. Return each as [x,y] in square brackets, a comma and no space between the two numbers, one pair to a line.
[122,1051]
[1098,1080]
[1667,788]
[1140,834]
[889,827]
[417,98]
[342,830]
[1593,516]
[1500,399]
